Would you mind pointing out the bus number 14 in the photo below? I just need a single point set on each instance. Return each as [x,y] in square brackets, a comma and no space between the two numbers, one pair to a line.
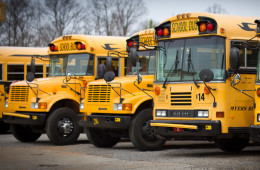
[200,96]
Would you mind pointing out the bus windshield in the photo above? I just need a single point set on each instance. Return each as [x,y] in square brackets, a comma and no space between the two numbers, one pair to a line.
[73,64]
[183,59]
[147,62]
[258,66]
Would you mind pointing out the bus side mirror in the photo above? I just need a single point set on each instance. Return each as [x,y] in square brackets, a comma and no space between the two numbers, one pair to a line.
[139,78]
[33,65]
[29,77]
[133,56]
[234,58]
[206,75]
[109,76]
[236,80]
[257,27]
[109,64]
[101,71]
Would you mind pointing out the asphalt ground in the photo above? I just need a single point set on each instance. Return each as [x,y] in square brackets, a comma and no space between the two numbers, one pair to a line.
[83,155]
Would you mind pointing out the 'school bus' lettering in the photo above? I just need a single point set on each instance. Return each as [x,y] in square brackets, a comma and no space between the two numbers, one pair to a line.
[184,26]
[67,46]
[148,40]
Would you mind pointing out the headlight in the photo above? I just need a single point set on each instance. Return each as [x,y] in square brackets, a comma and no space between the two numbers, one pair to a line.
[203,113]
[258,117]
[161,113]
[81,106]
[6,104]
[34,105]
[117,106]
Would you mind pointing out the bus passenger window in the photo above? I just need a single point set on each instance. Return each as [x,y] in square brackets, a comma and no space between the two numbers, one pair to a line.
[1,71]
[15,72]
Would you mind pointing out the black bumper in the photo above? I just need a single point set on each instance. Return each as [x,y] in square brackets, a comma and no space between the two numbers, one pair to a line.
[255,133]
[104,121]
[205,128]
[34,119]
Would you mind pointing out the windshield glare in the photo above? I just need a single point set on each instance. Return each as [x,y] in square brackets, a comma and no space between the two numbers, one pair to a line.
[73,64]
[147,62]
[183,59]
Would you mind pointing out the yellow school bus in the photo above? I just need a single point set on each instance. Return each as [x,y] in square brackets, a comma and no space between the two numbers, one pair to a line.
[14,64]
[123,107]
[255,129]
[201,59]
[51,104]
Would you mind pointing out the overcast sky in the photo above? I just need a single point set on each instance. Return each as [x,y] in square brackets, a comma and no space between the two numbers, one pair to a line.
[160,10]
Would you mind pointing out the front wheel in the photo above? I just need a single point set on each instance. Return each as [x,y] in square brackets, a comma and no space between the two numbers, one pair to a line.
[141,134]
[101,138]
[4,127]
[62,126]
[24,133]
[234,144]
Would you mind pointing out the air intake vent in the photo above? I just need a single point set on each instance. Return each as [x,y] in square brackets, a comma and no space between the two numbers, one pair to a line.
[99,93]
[19,93]
[181,99]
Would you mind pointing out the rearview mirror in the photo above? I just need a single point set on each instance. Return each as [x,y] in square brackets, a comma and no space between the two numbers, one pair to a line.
[133,56]
[236,79]
[33,65]
[206,75]
[109,64]
[234,58]
[29,77]
[139,78]
[109,76]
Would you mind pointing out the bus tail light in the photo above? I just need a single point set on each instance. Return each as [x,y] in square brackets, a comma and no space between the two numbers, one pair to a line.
[219,114]
[157,91]
[207,25]
[163,30]
[258,92]
[53,47]
[127,106]
[80,46]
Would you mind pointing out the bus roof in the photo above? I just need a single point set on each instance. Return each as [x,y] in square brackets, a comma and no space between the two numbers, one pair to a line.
[21,54]
[100,45]
[236,27]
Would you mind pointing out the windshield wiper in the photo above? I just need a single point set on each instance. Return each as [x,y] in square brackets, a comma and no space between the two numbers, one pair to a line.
[172,71]
[190,65]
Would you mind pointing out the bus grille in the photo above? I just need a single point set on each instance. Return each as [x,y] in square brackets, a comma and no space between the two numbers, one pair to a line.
[19,93]
[181,99]
[99,93]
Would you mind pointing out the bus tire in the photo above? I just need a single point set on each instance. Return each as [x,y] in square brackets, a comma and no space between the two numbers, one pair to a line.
[234,144]
[140,132]
[24,133]
[4,127]
[101,138]
[62,126]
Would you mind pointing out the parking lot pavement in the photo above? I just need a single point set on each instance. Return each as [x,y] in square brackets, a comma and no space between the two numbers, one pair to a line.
[175,155]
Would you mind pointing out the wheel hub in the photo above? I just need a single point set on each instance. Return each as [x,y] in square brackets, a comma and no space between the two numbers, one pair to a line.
[65,127]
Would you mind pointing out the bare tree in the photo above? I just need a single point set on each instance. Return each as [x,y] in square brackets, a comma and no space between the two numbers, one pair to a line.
[216,9]
[63,17]
[149,24]
[16,30]
[127,13]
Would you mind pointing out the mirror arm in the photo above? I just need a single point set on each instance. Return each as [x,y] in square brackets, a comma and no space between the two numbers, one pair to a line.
[142,90]
[209,89]
[242,91]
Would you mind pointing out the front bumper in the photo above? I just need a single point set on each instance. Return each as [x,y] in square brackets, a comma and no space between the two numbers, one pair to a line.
[199,128]
[25,118]
[255,133]
[105,121]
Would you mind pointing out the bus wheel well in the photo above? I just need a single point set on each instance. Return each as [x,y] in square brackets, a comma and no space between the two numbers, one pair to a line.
[66,103]
[144,105]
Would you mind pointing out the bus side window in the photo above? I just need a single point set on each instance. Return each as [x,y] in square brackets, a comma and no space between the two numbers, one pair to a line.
[248,55]
[15,72]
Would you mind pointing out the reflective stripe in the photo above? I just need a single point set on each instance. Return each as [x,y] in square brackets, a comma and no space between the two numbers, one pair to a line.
[174,125]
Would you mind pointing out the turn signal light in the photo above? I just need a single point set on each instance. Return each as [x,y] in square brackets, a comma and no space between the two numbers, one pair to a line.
[203,27]
[220,114]
[157,91]
[127,106]
[42,105]
[166,32]
[207,89]
[258,92]
[85,83]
